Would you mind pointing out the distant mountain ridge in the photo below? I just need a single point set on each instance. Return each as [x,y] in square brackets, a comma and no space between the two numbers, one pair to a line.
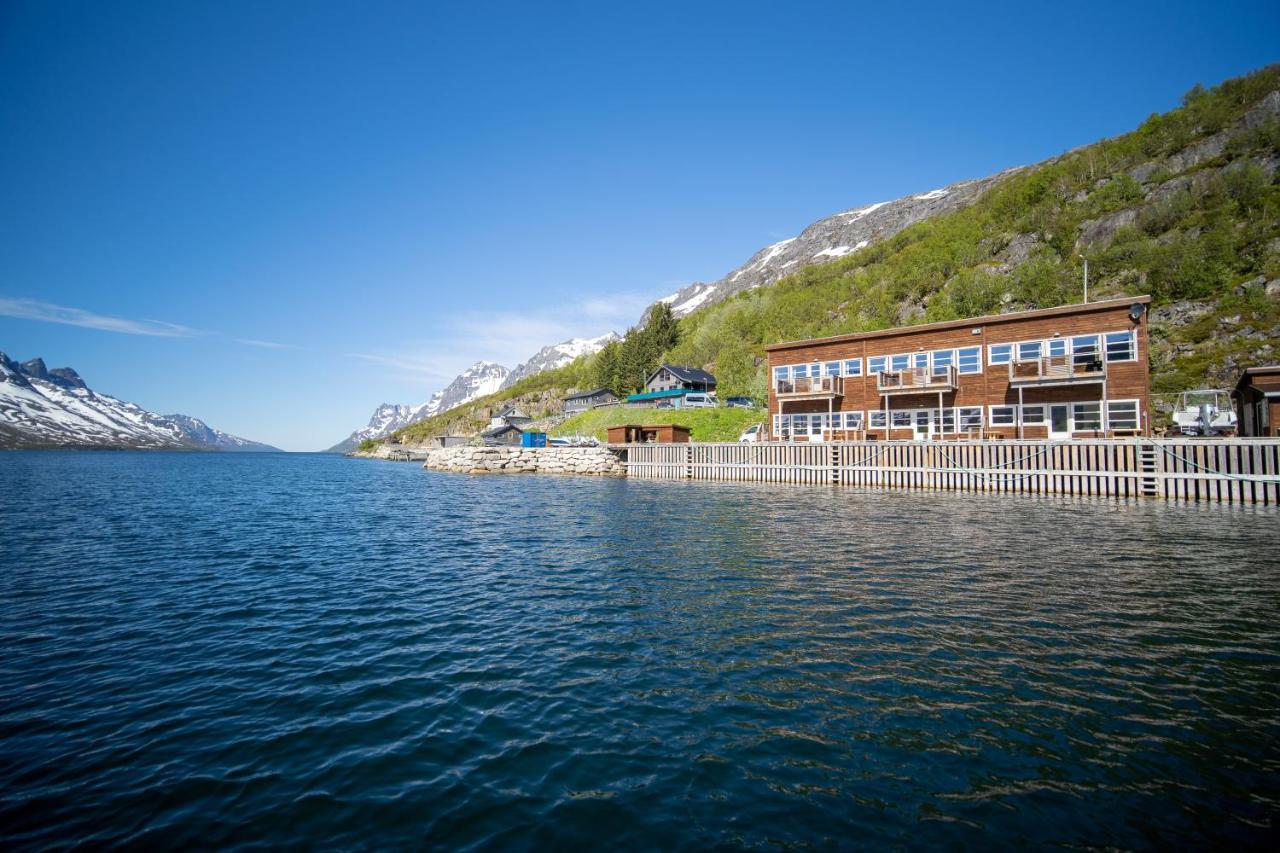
[42,407]
[479,380]
[558,355]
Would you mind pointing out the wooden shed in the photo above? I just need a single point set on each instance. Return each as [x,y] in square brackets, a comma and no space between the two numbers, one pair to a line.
[648,434]
[1257,399]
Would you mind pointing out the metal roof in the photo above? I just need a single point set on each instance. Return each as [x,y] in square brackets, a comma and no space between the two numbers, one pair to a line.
[685,374]
[581,394]
[991,319]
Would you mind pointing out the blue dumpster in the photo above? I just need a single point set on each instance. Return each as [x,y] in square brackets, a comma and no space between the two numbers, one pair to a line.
[533,439]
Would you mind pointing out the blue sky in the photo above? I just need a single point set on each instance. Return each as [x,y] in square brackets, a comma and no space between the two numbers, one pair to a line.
[274,216]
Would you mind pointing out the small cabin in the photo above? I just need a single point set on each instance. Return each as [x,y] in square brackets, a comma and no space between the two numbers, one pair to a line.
[510,415]
[577,403]
[507,434]
[675,377]
[648,434]
[1257,401]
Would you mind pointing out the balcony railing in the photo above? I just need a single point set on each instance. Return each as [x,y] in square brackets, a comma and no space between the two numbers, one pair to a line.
[1057,370]
[810,386]
[917,379]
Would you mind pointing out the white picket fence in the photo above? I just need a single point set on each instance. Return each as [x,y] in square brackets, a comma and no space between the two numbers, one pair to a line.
[1226,470]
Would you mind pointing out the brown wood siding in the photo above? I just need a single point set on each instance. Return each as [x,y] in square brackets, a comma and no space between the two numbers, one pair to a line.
[1129,380]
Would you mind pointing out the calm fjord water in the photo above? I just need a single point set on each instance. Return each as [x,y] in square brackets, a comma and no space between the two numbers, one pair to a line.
[217,649]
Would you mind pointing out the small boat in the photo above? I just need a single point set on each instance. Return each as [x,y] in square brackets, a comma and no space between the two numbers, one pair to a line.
[1205,412]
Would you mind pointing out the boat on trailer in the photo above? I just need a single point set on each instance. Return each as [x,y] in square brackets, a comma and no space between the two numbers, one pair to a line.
[1205,412]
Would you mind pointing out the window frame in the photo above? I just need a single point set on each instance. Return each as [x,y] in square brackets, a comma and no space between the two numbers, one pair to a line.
[1012,411]
[857,366]
[994,359]
[1130,346]
[976,352]
[1076,422]
[1135,419]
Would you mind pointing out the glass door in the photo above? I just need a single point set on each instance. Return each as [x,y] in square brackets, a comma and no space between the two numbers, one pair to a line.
[923,424]
[1059,421]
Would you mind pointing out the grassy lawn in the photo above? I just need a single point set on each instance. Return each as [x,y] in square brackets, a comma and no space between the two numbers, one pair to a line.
[720,424]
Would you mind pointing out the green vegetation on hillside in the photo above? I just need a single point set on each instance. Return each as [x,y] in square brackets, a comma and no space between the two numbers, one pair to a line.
[721,424]
[1196,238]
[1185,208]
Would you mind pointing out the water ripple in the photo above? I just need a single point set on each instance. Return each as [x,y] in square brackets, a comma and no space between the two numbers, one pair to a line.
[223,651]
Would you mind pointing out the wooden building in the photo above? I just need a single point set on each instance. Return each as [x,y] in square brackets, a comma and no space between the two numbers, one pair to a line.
[509,415]
[507,433]
[1079,371]
[1257,401]
[581,402]
[649,434]
[673,377]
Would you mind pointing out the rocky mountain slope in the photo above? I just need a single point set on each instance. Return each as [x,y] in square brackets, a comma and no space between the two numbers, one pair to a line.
[558,355]
[830,239]
[40,407]
[478,380]
[1186,208]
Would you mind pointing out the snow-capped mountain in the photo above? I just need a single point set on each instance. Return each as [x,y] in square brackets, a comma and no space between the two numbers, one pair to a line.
[558,355]
[40,407]
[481,378]
[831,238]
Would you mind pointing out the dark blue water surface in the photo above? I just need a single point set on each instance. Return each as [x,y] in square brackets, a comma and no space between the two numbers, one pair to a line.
[210,650]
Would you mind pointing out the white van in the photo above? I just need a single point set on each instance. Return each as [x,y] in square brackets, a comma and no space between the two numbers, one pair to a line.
[699,401]
[753,433]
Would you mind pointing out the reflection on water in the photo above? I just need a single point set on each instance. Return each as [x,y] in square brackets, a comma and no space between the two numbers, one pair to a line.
[214,649]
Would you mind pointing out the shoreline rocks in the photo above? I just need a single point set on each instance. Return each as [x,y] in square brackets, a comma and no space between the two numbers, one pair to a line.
[588,461]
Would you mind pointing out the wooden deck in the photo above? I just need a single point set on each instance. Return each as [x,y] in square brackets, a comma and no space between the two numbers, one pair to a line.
[1222,470]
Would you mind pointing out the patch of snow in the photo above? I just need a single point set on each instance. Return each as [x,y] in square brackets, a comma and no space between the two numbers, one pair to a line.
[771,252]
[693,302]
[930,194]
[836,252]
[855,215]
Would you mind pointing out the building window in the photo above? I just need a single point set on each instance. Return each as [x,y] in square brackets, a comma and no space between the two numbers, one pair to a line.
[1120,346]
[920,360]
[1084,349]
[899,362]
[970,418]
[833,368]
[970,359]
[902,419]
[799,371]
[876,418]
[1033,415]
[1086,416]
[1057,347]
[1003,415]
[1122,414]
[999,353]
[942,360]
[853,420]
[853,367]
[1029,351]
[780,374]
[876,364]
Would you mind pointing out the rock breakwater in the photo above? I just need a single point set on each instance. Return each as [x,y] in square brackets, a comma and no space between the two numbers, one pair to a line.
[591,461]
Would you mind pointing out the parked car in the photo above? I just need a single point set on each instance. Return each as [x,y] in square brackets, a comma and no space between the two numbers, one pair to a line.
[741,403]
[699,401]
[753,433]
